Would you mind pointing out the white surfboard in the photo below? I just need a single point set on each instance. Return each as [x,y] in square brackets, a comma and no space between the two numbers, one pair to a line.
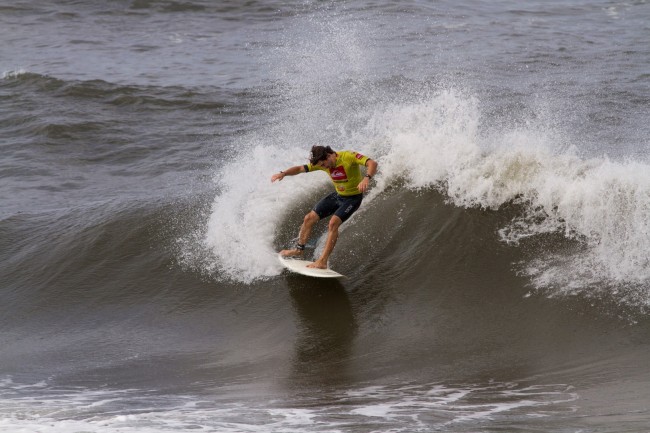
[300,267]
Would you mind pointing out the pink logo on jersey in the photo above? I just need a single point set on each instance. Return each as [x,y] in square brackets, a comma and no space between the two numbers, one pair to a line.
[359,156]
[338,173]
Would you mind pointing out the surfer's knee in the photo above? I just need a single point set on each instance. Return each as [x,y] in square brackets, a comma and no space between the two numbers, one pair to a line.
[334,223]
[311,218]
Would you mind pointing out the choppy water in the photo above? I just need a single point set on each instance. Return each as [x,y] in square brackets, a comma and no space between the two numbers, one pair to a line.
[498,271]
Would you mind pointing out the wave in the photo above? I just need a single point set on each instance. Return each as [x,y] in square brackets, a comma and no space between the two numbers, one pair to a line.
[440,143]
[121,95]
[599,202]
[103,136]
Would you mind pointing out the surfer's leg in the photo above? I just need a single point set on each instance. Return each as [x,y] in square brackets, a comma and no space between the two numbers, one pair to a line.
[332,237]
[305,230]
[346,206]
[324,208]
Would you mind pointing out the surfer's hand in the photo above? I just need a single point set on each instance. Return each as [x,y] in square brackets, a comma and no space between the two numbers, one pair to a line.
[363,186]
[278,176]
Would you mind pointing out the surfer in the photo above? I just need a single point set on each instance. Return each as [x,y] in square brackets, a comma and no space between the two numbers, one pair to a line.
[344,170]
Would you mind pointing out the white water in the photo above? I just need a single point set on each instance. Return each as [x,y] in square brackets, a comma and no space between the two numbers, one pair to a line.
[400,407]
[438,142]
[603,204]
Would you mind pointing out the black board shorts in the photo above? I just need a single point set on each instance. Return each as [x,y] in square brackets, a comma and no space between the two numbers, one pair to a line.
[341,206]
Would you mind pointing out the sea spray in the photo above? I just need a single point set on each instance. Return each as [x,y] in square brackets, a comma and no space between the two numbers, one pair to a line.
[427,133]
[246,213]
[603,204]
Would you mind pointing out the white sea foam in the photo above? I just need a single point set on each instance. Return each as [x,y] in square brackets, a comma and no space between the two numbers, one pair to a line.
[245,215]
[396,407]
[13,73]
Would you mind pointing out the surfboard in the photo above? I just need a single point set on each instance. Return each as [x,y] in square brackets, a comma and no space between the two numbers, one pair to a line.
[300,267]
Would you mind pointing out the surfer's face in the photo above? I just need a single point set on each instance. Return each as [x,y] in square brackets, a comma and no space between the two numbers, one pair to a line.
[330,162]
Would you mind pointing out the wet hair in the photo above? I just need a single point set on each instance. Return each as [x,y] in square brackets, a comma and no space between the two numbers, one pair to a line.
[319,153]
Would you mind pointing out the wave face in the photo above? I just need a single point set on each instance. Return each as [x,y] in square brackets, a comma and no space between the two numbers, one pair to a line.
[498,273]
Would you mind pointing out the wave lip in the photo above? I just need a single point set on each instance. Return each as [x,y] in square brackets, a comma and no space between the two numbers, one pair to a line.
[599,203]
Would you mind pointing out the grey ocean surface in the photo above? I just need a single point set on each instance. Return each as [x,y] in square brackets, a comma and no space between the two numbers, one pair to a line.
[498,270]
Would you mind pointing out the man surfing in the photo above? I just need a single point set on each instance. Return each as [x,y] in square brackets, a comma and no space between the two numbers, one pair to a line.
[344,170]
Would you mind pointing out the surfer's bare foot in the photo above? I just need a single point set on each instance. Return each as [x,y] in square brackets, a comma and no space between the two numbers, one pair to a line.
[318,264]
[291,253]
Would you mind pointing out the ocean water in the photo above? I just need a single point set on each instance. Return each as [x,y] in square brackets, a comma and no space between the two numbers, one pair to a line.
[498,271]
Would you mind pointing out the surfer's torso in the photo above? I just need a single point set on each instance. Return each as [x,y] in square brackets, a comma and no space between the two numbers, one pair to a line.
[346,175]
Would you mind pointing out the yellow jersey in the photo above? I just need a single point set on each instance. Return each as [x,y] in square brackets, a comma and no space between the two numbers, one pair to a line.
[346,176]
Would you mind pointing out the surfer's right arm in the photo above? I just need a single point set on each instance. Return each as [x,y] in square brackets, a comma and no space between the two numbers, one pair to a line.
[289,172]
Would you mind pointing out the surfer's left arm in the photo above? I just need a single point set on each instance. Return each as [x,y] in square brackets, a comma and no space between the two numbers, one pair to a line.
[289,172]
[371,170]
